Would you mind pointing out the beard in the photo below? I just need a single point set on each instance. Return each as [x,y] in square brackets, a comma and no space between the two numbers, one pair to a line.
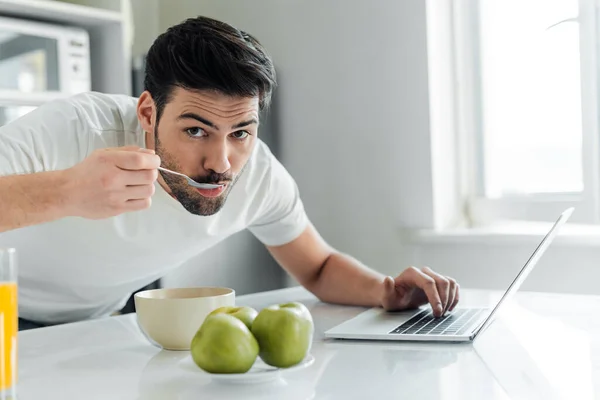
[189,197]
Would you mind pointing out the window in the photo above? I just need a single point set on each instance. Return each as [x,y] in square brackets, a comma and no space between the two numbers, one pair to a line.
[526,102]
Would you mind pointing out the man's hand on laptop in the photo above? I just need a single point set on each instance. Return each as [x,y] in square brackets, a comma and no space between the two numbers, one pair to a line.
[415,287]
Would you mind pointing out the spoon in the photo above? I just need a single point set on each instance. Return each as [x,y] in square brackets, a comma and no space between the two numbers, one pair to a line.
[192,182]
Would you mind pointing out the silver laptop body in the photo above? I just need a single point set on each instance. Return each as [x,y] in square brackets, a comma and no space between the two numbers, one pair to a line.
[461,325]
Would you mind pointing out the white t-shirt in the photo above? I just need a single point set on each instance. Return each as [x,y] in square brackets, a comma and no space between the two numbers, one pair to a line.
[75,268]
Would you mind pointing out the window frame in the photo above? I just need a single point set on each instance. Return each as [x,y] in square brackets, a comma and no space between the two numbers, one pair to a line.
[481,210]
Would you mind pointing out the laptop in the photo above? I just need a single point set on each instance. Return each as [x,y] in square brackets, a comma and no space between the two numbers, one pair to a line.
[463,324]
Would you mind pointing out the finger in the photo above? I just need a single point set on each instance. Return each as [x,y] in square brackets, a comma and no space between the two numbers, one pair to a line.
[443,286]
[389,290]
[456,297]
[426,283]
[139,192]
[141,177]
[136,205]
[451,292]
[136,160]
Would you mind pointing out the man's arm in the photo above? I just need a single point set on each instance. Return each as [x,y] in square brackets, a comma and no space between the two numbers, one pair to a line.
[31,199]
[338,278]
[331,276]
[109,182]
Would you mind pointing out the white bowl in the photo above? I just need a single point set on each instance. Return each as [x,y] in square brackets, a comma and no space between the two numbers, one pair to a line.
[171,317]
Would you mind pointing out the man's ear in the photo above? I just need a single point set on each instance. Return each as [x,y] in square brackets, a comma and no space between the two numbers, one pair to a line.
[146,111]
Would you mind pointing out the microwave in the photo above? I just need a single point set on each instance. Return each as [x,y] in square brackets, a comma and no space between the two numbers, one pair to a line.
[42,60]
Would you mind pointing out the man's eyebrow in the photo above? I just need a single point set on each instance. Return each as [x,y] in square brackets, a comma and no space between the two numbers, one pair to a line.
[190,115]
[245,123]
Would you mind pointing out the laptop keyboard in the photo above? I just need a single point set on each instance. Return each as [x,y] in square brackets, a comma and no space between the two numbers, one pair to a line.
[455,323]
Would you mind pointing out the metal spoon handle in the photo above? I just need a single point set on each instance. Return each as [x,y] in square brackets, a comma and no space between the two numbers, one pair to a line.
[172,172]
[192,182]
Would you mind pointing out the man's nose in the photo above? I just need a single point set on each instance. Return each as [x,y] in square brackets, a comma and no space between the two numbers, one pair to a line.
[217,158]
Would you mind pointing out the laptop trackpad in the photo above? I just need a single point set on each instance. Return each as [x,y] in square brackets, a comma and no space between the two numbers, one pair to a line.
[376,321]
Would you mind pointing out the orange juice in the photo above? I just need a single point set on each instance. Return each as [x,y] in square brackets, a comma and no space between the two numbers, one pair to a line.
[8,335]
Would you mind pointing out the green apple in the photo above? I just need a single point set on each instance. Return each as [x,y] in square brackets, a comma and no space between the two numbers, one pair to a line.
[224,345]
[284,333]
[244,314]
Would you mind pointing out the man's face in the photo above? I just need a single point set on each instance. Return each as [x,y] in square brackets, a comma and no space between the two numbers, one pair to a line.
[209,137]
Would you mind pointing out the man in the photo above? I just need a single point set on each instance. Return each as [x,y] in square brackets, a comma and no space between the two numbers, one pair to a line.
[93,220]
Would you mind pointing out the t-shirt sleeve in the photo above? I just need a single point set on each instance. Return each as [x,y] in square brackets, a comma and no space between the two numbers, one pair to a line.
[282,218]
[51,137]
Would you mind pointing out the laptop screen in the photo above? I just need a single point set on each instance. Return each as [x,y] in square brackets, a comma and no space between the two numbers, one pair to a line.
[528,267]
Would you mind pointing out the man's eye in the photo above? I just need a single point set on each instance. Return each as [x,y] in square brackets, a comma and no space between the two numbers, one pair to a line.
[195,132]
[240,134]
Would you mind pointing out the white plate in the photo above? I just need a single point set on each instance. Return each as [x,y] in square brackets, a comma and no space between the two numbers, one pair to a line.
[259,373]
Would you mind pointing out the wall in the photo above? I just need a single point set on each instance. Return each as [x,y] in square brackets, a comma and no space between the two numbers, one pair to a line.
[145,19]
[353,117]
[493,263]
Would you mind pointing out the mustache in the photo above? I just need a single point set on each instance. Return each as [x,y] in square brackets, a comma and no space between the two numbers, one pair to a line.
[213,177]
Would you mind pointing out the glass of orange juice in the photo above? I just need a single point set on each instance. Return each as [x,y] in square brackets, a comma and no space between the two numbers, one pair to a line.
[8,324]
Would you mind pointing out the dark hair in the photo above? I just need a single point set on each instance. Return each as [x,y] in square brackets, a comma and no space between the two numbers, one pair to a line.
[205,54]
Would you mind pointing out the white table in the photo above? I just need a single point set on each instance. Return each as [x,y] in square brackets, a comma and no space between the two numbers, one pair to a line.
[555,354]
